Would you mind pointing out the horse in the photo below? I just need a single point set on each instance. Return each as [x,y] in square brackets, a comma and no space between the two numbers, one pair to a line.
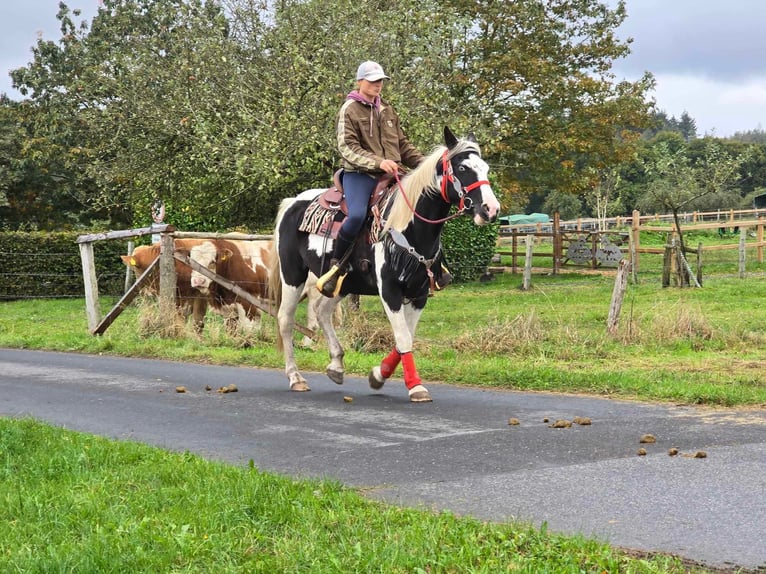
[394,263]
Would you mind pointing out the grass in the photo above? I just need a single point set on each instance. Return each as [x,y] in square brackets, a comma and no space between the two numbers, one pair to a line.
[693,346]
[71,502]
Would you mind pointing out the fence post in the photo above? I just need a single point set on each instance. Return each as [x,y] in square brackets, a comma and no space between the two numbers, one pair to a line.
[558,248]
[759,239]
[618,294]
[666,264]
[514,247]
[90,282]
[699,264]
[167,302]
[527,281]
[635,236]
[742,251]
[128,269]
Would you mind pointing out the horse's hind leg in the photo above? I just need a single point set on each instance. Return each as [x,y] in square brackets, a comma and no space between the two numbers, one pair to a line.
[286,320]
[325,311]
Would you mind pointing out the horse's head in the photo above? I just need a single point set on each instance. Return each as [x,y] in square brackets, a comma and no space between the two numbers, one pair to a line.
[466,173]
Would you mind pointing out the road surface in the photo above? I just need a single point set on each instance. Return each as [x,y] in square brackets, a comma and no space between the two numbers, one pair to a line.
[457,453]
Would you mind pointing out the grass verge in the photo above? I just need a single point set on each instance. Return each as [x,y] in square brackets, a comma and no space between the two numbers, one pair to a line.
[71,502]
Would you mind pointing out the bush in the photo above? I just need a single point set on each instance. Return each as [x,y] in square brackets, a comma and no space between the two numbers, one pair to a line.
[468,248]
[40,264]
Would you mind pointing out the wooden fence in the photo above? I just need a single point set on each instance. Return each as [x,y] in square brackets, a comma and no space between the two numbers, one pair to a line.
[583,243]
[165,263]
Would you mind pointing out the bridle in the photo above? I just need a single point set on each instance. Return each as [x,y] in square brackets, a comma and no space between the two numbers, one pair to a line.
[448,177]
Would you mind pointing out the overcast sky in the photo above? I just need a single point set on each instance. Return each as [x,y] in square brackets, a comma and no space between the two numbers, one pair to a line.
[707,56]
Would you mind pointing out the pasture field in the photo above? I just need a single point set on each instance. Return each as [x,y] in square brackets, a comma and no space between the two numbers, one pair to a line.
[71,502]
[692,346]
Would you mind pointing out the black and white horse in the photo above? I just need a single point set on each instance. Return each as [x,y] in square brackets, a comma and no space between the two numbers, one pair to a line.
[396,265]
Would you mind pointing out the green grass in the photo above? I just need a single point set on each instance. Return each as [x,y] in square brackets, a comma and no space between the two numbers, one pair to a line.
[70,502]
[694,346]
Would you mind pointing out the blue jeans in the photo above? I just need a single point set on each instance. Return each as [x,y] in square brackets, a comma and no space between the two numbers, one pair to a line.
[357,188]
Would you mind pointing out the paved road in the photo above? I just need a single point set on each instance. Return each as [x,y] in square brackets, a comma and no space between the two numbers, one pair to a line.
[458,453]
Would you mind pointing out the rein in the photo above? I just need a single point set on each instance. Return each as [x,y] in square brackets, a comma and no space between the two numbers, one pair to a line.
[416,214]
[447,177]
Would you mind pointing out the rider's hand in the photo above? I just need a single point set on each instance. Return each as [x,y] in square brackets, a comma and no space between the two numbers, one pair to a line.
[389,166]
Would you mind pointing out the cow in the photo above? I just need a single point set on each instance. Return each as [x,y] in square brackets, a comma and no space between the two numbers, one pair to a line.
[245,263]
[188,300]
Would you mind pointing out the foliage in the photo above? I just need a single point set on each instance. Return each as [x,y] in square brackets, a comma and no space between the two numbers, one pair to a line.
[686,126]
[568,205]
[222,108]
[538,77]
[468,248]
[37,264]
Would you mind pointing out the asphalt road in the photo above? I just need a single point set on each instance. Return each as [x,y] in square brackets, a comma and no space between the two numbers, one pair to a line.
[457,453]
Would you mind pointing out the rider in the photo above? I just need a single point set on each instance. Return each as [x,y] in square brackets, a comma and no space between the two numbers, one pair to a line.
[371,143]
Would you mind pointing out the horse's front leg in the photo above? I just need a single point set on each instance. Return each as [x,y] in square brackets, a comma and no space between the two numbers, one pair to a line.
[325,310]
[286,321]
[404,321]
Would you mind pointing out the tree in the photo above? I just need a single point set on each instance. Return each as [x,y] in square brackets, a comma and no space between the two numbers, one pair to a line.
[538,76]
[221,108]
[683,181]
[601,197]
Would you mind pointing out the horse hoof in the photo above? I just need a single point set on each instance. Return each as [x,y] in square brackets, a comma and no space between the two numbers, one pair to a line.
[376,379]
[299,387]
[335,376]
[419,394]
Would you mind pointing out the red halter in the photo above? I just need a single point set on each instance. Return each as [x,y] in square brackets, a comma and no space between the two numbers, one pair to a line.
[449,177]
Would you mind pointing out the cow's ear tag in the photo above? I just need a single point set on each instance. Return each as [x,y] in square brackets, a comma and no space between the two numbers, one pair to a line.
[133,261]
[226,255]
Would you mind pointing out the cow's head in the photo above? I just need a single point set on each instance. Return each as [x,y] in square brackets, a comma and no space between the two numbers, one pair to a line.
[140,259]
[207,255]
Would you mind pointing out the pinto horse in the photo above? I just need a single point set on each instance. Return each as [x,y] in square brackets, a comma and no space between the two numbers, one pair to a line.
[395,264]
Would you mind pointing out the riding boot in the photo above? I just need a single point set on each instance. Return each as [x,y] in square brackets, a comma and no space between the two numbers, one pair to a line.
[330,283]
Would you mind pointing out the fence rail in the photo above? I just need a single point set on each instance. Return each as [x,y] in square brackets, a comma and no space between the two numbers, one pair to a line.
[722,217]
[578,243]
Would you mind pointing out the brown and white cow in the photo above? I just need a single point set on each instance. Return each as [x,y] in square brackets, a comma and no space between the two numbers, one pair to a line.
[221,257]
[242,263]
[188,300]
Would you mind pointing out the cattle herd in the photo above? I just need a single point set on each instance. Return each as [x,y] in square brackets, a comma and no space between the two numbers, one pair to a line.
[242,262]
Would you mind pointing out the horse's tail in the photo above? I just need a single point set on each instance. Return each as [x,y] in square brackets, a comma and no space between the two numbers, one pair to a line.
[275,277]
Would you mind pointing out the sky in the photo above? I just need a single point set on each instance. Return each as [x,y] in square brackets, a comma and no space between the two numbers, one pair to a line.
[707,56]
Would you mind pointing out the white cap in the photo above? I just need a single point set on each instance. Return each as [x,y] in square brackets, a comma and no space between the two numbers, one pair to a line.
[370,71]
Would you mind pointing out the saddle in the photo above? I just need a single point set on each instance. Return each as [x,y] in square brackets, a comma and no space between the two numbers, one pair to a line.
[325,215]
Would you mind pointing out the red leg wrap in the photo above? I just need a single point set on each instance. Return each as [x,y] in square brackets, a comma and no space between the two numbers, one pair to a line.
[389,364]
[411,377]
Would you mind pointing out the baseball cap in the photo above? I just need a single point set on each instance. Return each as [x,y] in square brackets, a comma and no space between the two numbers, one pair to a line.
[370,71]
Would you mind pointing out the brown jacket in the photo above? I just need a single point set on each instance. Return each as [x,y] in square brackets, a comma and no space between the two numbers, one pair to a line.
[367,136]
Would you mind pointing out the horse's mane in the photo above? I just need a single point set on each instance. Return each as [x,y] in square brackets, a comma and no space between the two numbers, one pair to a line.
[421,180]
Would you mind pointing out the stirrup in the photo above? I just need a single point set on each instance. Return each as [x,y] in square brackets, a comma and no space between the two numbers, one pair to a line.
[330,283]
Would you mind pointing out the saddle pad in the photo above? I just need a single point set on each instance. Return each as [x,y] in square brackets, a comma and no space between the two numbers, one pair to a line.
[317,218]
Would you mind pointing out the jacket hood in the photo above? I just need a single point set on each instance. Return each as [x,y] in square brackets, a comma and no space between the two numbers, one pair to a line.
[357,97]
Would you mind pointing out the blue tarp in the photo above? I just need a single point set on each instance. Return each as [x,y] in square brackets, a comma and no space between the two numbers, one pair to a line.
[522,219]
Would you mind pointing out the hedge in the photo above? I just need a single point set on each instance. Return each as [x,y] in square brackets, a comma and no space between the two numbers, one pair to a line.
[44,264]
[468,248]
[47,265]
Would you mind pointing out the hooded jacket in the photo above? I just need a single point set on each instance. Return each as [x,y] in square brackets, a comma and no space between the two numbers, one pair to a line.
[369,133]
